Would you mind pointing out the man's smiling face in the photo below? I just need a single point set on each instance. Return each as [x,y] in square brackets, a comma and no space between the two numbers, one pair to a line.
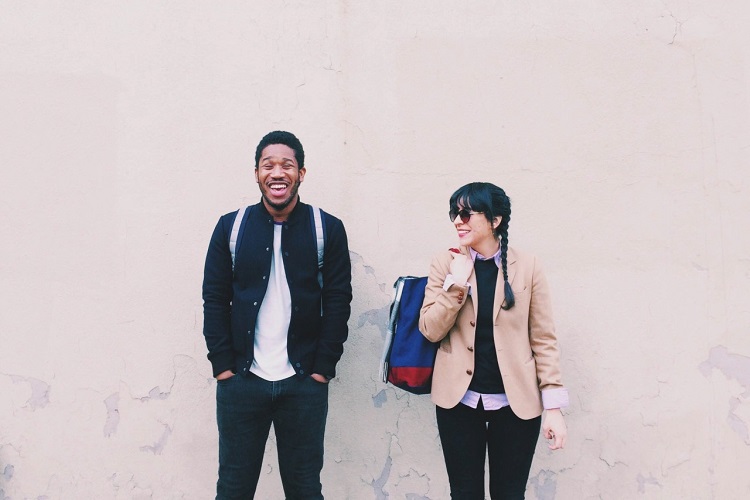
[278,175]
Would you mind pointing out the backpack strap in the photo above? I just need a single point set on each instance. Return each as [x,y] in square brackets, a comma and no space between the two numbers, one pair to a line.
[318,232]
[234,235]
[317,220]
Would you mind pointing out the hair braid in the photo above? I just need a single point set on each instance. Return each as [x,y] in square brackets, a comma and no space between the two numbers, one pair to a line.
[510,299]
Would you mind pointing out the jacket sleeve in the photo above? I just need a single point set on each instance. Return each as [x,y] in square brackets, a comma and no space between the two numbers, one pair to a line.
[217,300]
[542,337]
[440,308]
[336,299]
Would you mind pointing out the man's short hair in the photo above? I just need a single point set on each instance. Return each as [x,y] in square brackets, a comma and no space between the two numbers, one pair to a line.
[285,138]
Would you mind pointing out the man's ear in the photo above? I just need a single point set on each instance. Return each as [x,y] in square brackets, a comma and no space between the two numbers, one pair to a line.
[256,175]
[302,172]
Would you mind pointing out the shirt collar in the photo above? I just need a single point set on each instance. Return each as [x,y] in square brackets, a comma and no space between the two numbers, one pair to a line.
[476,255]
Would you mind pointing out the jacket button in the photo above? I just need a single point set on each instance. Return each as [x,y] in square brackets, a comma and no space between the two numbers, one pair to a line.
[469,372]
[266,249]
[265,278]
[470,348]
[296,308]
[255,303]
[286,254]
[472,323]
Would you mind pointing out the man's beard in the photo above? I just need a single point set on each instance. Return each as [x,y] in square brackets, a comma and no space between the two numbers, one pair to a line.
[281,206]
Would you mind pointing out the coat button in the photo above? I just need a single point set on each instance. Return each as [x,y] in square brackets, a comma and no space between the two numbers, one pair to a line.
[266,249]
[469,372]
[470,348]
[255,303]
[472,323]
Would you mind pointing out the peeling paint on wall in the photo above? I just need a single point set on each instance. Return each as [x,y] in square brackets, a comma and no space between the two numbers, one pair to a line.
[379,483]
[643,481]
[734,367]
[159,445]
[113,414]
[8,472]
[544,484]
[39,391]
[156,394]
[379,399]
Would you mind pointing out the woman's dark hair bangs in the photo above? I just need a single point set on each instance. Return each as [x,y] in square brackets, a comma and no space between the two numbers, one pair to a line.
[475,197]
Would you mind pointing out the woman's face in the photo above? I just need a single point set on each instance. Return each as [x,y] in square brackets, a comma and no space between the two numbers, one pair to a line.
[476,232]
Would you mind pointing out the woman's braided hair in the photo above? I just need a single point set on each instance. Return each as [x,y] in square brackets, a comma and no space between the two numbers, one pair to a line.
[493,202]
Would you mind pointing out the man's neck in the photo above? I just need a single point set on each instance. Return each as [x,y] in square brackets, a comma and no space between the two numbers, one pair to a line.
[283,214]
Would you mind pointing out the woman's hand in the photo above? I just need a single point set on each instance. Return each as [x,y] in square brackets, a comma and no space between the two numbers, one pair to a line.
[461,267]
[554,428]
[225,375]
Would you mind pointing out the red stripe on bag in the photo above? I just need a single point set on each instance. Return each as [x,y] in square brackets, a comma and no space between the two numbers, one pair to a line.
[413,376]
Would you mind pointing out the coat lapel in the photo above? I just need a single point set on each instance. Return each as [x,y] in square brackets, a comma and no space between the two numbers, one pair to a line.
[472,284]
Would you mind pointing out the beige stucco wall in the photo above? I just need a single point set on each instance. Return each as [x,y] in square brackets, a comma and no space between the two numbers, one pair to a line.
[619,129]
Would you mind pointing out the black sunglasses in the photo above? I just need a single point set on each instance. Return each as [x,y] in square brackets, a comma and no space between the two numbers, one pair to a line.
[463,214]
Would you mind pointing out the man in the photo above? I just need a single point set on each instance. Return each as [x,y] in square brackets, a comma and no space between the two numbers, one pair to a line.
[274,334]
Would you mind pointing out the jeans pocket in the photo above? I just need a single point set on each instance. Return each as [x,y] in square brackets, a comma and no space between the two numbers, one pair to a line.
[224,382]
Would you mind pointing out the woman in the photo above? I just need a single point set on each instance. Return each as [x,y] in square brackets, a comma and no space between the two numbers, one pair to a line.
[497,367]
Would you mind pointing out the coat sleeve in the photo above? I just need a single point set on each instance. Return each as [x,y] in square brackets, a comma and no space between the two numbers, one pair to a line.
[440,308]
[336,299]
[542,337]
[217,299]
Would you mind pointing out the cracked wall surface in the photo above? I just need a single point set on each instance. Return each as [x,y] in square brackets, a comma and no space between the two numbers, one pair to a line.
[620,132]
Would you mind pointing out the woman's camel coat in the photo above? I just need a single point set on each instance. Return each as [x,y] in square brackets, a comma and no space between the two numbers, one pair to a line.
[524,335]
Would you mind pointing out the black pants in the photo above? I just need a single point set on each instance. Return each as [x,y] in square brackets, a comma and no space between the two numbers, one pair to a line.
[245,409]
[468,434]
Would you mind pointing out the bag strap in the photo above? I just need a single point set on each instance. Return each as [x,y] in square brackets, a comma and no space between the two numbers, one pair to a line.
[398,287]
[317,223]
[234,235]
[318,233]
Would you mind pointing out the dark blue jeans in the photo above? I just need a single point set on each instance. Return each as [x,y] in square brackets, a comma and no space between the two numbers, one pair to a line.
[246,406]
[468,435]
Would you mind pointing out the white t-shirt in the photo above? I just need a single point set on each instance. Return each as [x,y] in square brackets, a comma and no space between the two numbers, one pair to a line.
[271,360]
